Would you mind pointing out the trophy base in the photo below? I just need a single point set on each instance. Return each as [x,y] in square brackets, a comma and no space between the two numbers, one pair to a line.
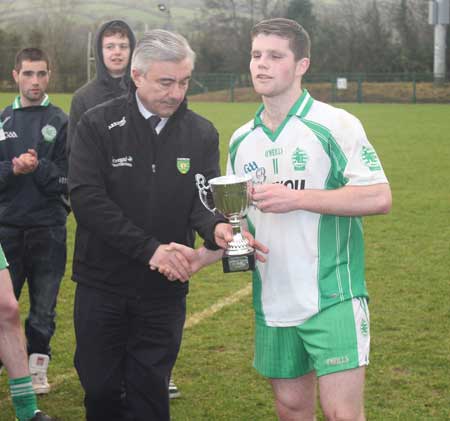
[239,263]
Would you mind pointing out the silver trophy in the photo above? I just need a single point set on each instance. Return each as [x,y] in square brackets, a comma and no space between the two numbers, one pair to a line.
[231,196]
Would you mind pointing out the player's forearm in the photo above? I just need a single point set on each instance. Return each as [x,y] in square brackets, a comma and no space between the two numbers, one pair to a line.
[207,257]
[347,201]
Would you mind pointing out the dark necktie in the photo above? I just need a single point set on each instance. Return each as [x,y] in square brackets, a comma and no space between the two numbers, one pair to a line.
[154,121]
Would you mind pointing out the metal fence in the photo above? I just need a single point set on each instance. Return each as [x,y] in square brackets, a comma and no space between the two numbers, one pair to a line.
[347,87]
[350,87]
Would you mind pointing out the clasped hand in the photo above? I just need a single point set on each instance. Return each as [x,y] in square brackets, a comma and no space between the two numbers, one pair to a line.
[25,163]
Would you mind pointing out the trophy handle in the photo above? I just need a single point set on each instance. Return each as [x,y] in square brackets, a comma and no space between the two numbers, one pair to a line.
[203,191]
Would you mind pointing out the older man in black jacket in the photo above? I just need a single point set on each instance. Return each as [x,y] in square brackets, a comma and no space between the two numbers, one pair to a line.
[132,189]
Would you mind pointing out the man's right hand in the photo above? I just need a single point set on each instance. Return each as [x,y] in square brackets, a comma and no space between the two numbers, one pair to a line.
[174,261]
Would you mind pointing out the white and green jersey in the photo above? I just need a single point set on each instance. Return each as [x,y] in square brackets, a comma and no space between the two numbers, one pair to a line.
[315,260]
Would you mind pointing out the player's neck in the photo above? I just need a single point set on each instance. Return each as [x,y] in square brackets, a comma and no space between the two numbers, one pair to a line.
[277,108]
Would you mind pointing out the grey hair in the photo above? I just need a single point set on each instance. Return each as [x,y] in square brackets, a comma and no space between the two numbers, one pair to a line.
[160,45]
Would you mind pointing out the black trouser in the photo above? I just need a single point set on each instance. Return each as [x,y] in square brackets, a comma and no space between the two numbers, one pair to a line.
[126,342]
[37,255]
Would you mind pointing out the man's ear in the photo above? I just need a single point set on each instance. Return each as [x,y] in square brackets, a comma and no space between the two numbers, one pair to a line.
[15,74]
[302,66]
[136,76]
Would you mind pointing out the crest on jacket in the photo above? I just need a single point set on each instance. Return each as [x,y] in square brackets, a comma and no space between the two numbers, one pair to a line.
[49,133]
[183,165]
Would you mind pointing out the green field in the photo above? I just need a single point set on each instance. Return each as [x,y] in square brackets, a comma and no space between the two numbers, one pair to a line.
[408,275]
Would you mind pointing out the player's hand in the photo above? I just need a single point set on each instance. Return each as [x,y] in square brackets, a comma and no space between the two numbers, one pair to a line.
[223,234]
[259,247]
[275,198]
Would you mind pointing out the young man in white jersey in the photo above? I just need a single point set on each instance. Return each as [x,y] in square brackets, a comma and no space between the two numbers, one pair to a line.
[316,174]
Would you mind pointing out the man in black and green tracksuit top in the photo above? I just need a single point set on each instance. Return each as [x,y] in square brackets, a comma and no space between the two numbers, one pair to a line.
[33,211]
[132,188]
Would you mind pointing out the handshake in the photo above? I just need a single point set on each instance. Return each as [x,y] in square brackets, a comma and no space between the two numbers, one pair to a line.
[179,262]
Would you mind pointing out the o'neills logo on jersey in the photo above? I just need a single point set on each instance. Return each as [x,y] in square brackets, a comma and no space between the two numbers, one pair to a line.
[119,123]
[293,184]
[271,153]
[338,360]
[126,161]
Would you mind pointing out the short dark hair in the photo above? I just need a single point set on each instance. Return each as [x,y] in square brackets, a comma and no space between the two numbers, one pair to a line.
[30,54]
[299,41]
[116,28]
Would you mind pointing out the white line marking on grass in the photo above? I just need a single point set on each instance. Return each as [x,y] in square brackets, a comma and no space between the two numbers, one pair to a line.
[227,301]
[191,321]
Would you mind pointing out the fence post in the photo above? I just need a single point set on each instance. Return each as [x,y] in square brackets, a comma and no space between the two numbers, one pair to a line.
[359,96]
[232,87]
[414,98]
[333,88]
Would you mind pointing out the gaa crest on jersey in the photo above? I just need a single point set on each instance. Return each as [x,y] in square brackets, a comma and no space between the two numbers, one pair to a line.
[49,133]
[299,159]
[370,158]
[183,165]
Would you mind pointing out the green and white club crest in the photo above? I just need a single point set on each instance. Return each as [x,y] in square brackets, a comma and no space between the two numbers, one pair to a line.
[183,165]
[299,159]
[364,327]
[370,159]
[49,133]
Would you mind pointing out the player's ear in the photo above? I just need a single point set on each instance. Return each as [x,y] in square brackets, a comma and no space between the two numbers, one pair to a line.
[302,66]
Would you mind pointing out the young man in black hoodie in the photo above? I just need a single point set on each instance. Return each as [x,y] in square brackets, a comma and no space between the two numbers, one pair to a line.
[33,190]
[114,45]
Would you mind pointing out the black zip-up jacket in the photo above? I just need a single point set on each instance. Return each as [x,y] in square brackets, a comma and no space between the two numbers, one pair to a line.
[103,87]
[131,191]
[37,198]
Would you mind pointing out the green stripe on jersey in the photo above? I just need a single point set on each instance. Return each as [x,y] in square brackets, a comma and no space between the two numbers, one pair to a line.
[301,108]
[234,147]
[257,283]
[339,237]
[3,261]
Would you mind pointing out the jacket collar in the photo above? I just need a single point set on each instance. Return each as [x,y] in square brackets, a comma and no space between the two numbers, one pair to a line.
[16,105]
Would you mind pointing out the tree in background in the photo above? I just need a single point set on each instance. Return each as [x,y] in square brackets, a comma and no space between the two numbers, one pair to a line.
[302,12]
[377,52]
[223,42]
[10,43]
[412,36]
[348,36]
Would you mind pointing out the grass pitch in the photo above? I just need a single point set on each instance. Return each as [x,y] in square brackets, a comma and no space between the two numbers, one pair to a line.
[408,275]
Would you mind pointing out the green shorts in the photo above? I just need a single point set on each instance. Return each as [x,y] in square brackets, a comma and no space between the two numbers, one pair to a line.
[336,339]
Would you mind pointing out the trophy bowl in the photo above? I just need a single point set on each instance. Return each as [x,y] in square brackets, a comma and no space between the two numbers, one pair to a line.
[231,196]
